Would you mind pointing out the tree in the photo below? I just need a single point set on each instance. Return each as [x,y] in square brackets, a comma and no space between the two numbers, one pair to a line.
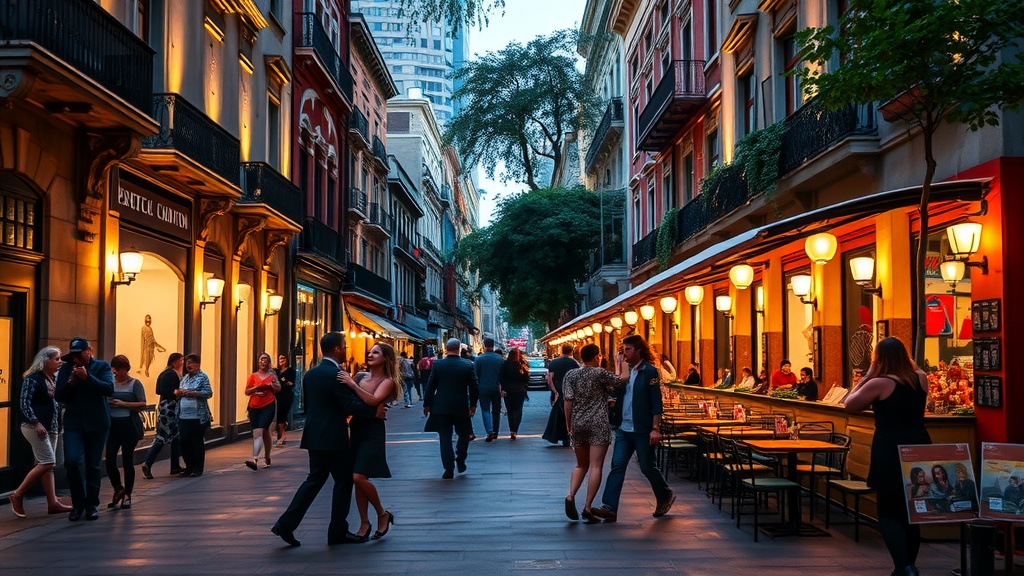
[458,13]
[932,61]
[535,251]
[518,106]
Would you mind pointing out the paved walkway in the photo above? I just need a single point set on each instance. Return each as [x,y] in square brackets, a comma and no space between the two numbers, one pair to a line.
[503,516]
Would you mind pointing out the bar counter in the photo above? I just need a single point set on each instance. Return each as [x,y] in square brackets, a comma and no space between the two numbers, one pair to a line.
[860,427]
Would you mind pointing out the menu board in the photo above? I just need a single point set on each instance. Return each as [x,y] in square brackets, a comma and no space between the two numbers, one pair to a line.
[1002,481]
[940,483]
[985,315]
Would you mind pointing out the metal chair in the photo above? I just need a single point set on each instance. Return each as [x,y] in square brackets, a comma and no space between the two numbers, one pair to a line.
[824,464]
[852,486]
[760,486]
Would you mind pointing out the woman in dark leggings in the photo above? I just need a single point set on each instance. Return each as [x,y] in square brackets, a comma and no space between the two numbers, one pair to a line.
[897,391]
[129,397]
[512,381]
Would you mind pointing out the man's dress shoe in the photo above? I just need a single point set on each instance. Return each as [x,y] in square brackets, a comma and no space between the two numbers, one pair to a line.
[76,514]
[348,538]
[91,513]
[286,535]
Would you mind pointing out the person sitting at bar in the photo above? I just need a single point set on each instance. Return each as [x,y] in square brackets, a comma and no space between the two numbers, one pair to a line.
[762,383]
[807,387]
[747,380]
[693,375]
[783,378]
[725,379]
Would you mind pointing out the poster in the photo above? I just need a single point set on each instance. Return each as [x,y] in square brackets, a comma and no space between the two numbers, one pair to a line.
[940,483]
[1002,481]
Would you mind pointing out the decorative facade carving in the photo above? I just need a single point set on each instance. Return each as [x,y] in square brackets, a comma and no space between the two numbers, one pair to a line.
[246,228]
[275,239]
[209,209]
[99,153]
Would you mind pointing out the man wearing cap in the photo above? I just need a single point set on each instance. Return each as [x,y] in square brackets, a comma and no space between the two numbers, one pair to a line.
[450,403]
[84,384]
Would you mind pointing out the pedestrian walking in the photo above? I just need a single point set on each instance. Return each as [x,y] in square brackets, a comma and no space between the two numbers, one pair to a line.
[408,376]
[126,430]
[194,416]
[260,388]
[637,414]
[167,416]
[40,420]
[326,438]
[285,397]
[423,370]
[513,380]
[556,430]
[450,403]
[487,368]
[83,385]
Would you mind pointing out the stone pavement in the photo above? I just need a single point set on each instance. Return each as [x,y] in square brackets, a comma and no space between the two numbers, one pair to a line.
[503,516]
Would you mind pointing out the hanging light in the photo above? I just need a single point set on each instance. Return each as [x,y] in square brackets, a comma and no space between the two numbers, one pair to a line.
[616,322]
[694,294]
[596,327]
[631,317]
[668,304]
[580,334]
[588,331]
[759,299]
[952,272]
[608,328]
[723,304]
[647,312]
[964,238]
[821,247]
[741,275]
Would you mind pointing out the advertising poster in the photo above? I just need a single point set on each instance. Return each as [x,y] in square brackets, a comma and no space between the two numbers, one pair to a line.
[1002,481]
[940,483]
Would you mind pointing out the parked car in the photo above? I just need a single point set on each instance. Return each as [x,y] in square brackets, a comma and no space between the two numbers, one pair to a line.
[538,372]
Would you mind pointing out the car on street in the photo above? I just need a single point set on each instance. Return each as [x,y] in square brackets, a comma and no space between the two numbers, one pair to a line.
[538,372]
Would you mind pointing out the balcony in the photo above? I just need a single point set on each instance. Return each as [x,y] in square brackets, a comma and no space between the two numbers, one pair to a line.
[812,130]
[645,249]
[357,204]
[380,152]
[408,248]
[430,248]
[680,94]
[361,279]
[312,40]
[379,220]
[608,131]
[184,129]
[358,124]
[710,207]
[91,70]
[262,185]
[320,239]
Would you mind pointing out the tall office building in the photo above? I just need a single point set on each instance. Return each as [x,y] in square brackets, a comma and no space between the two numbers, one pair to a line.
[423,57]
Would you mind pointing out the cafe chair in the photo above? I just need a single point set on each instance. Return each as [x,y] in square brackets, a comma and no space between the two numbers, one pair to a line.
[823,465]
[710,464]
[675,449]
[735,471]
[760,487]
[852,486]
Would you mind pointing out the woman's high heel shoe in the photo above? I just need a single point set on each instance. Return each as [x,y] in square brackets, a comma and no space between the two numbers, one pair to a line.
[118,497]
[365,536]
[126,503]
[377,534]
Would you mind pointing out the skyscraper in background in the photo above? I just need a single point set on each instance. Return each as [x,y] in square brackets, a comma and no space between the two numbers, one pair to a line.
[423,57]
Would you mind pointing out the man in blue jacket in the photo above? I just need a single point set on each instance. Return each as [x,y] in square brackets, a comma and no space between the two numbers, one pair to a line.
[487,367]
[84,384]
[637,413]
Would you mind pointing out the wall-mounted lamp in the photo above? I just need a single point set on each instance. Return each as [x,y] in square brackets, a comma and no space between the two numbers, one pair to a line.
[608,328]
[965,240]
[131,265]
[741,276]
[274,303]
[616,322]
[214,290]
[580,335]
[588,331]
[631,317]
[862,268]
[694,295]
[647,312]
[723,304]
[821,247]
[668,304]
[801,285]
[242,292]
[759,299]
[952,272]
[597,327]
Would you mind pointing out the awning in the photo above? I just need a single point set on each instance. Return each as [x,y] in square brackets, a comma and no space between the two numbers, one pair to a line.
[415,334]
[386,328]
[716,260]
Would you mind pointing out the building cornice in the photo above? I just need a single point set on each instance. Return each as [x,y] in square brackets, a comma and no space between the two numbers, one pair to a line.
[367,49]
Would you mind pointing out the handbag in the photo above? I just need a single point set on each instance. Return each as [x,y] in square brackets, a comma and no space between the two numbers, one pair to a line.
[140,430]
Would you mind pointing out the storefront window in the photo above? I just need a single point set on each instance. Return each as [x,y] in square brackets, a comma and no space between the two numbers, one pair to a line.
[799,330]
[6,333]
[211,321]
[759,345]
[723,345]
[149,327]
[858,319]
[245,360]
[948,344]
[312,320]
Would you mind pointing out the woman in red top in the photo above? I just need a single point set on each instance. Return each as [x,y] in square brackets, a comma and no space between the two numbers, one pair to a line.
[260,388]
[783,378]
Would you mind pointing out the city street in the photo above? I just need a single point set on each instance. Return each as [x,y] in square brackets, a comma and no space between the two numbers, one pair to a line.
[503,516]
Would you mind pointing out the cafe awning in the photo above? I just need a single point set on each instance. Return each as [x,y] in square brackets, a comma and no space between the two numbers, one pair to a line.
[386,328]
[715,260]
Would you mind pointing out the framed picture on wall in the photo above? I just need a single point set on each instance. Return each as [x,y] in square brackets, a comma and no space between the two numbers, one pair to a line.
[985,315]
[881,330]
[988,354]
[988,391]
[816,351]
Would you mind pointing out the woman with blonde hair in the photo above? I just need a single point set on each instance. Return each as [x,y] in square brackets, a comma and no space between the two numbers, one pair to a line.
[39,425]
[513,378]
[382,383]
[261,387]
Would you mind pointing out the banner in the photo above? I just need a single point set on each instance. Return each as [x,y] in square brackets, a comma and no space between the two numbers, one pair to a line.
[940,483]
[1002,481]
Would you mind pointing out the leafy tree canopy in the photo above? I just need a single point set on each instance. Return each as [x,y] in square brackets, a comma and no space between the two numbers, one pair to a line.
[535,251]
[929,61]
[458,13]
[519,104]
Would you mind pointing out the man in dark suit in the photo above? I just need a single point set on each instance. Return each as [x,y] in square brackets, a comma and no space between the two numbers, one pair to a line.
[328,403]
[450,402]
[487,367]
[84,384]
[637,414]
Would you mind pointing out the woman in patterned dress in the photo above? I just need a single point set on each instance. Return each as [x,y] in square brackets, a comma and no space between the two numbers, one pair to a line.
[586,392]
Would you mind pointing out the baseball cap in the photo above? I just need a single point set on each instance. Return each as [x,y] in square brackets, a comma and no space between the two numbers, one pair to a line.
[77,345]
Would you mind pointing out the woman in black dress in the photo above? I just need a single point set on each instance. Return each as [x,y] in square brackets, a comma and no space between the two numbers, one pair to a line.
[285,397]
[897,391]
[383,383]
[512,381]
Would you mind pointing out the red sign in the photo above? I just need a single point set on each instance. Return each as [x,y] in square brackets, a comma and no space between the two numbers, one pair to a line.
[517,342]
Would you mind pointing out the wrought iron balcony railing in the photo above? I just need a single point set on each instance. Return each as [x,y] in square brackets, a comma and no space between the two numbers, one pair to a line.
[362,279]
[612,118]
[706,209]
[644,249]
[429,246]
[812,130]
[84,35]
[680,94]
[264,185]
[312,35]
[407,244]
[357,201]
[357,121]
[184,128]
[379,151]
[379,217]
[321,239]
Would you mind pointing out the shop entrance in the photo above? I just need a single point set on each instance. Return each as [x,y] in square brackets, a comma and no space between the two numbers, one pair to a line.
[12,331]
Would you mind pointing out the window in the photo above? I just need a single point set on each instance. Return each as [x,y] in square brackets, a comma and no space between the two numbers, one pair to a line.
[711,150]
[636,218]
[747,96]
[790,60]
[648,46]
[437,44]
[423,42]
[663,11]
[711,22]
[666,61]
[651,211]
[686,41]
[142,20]
[688,177]
[636,124]
[667,193]
[274,132]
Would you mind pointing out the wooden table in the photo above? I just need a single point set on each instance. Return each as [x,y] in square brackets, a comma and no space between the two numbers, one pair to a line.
[741,432]
[791,448]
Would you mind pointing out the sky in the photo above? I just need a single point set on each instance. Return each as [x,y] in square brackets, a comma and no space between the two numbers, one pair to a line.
[523,21]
